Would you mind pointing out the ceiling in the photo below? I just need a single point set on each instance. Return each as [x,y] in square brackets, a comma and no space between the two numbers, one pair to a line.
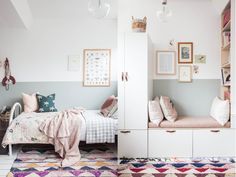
[65,8]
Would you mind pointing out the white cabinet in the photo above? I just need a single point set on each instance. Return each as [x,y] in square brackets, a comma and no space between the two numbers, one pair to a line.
[169,143]
[214,143]
[134,91]
[132,143]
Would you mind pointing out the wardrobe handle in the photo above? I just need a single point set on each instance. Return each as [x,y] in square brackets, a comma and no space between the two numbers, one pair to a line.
[215,131]
[126,131]
[126,76]
[170,131]
[122,76]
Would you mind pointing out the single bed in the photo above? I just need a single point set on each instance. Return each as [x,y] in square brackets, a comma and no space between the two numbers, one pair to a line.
[24,127]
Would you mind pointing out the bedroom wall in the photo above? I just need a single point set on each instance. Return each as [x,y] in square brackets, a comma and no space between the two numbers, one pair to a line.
[39,56]
[192,21]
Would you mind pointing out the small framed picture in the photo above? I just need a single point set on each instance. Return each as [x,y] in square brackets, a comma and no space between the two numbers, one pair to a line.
[185,73]
[73,63]
[185,52]
[226,76]
[200,59]
[165,63]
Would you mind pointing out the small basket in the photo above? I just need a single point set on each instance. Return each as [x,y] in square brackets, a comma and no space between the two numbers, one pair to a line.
[139,25]
[4,119]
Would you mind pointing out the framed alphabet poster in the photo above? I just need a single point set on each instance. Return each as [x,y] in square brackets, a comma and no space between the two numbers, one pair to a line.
[97,67]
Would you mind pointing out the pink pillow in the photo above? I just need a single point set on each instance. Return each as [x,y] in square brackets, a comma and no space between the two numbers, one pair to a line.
[168,109]
[108,105]
[155,112]
[30,102]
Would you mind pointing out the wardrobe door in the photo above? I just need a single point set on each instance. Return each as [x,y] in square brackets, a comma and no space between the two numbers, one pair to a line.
[121,81]
[132,143]
[136,81]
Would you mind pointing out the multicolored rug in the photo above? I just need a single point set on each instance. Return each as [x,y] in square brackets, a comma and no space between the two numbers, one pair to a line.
[177,167]
[44,162]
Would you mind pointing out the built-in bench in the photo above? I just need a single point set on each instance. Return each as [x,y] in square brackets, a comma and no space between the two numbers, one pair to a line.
[191,137]
[190,122]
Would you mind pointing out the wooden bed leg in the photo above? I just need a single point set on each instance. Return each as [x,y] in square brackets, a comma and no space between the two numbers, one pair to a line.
[10,150]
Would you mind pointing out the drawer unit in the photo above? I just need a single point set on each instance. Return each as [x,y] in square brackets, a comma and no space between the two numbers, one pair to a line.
[169,143]
[132,143]
[214,143]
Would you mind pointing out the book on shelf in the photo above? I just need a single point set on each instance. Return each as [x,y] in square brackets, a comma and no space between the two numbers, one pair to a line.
[227,94]
[226,38]
[226,78]
[226,17]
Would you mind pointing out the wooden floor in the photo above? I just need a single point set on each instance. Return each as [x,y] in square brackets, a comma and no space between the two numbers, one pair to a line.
[7,161]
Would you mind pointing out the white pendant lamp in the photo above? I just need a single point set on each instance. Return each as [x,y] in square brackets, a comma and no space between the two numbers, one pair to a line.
[165,13]
[98,8]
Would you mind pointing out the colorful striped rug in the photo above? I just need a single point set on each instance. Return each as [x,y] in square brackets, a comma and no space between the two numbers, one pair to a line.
[44,162]
[178,167]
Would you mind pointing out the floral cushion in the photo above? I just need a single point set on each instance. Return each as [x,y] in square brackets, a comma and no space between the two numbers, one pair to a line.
[46,104]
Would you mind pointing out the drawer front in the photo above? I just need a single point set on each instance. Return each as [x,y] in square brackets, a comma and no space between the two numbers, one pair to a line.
[132,143]
[170,143]
[214,143]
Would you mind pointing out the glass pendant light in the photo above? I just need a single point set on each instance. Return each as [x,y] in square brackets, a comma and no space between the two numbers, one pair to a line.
[164,13]
[98,9]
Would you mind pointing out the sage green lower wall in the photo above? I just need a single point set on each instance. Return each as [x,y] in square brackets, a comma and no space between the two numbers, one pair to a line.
[192,99]
[68,94]
[189,98]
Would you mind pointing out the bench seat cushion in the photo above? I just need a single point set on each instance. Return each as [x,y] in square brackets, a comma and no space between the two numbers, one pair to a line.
[190,122]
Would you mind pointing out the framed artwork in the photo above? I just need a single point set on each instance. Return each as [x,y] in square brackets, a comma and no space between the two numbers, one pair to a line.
[200,59]
[165,63]
[185,52]
[185,73]
[73,63]
[226,76]
[97,67]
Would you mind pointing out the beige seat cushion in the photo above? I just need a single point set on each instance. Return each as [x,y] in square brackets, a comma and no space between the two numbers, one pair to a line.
[190,122]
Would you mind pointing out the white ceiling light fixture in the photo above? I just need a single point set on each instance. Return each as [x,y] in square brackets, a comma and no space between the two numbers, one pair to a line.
[165,13]
[98,8]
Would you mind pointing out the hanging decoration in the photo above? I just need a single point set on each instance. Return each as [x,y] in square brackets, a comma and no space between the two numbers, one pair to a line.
[98,8]
[8,79]
[165,13]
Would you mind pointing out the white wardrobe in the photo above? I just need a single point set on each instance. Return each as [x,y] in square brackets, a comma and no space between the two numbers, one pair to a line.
[134,91]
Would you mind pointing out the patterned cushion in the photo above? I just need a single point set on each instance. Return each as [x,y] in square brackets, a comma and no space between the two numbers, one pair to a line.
[168,109]
[155,112]
[46,104]
[109,106]
[30,102]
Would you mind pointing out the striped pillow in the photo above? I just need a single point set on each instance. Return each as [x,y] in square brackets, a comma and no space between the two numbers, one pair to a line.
[109,107]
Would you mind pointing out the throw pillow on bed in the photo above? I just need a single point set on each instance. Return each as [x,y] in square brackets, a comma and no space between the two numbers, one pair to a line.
[109,105]
[220,111]
[46,103]
[168,109]
[30,102]
[155,112]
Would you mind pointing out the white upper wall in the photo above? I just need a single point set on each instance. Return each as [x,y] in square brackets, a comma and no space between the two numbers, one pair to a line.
[41,53]
[194,21]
